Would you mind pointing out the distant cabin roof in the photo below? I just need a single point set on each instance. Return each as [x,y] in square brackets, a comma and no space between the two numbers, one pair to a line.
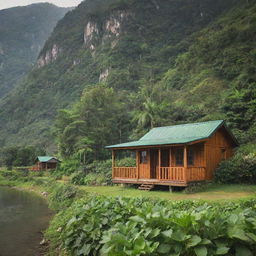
[177,134]
[45,159]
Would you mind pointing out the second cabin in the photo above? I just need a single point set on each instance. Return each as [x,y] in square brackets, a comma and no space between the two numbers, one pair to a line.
[45,163]
[176,155]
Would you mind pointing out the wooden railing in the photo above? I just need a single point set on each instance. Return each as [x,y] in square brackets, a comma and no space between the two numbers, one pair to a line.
[195,173]
[34,168]
[124,172]
[164,173]
[171,173]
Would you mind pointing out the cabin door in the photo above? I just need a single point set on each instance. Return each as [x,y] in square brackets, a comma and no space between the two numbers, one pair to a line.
[144,164]
[153,163]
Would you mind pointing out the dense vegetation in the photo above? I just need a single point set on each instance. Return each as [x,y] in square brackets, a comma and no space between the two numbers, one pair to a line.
[86,224]
[122,226]
[175,61]
[23,32]
[19,156]
[239,169]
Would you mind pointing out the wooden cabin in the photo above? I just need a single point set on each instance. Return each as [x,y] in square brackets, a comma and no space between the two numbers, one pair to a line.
[176,155]
[44,163]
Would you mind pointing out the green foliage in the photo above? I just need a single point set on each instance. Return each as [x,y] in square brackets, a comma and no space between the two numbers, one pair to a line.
[96,173]
[126,162]
[241,168]
[14,175]
[67,167]
[98,119]
[150,55]
[125,226]
[77,177]
[21,176]
[19,156]
[62,196]
[23,31]
[93,179]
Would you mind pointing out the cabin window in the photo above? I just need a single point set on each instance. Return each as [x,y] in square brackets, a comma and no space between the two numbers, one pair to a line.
[179,157]
[223,154]
[143,157]
[190,157]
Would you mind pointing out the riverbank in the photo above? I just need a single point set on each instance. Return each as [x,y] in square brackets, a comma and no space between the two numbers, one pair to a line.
[57,196]
[23,217]
[86,218]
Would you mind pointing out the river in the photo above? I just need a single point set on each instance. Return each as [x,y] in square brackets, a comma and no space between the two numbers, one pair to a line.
[23,216]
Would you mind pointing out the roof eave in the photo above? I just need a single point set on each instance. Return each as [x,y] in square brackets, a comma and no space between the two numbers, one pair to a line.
[158,145]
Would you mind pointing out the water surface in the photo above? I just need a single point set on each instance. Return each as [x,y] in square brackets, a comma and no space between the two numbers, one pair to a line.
[23,216]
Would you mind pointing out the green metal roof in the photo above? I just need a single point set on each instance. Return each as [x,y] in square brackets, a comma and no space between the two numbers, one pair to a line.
[177,134]
[44,159]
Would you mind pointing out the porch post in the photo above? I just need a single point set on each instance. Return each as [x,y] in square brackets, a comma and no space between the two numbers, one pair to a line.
[205,162]
[113,163]
[159,163]
[137,164]
[185,163]
[170,157]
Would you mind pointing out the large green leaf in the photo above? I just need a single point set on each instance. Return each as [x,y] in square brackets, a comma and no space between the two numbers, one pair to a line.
[238,233]
[179,236]
[167,233]
[200,250]
[137,219]
[164,248]
[193,241]
[243,251]
[222,250]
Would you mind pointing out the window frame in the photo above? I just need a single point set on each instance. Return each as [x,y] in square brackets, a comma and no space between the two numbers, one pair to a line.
[191,156]
[179,157]
[143,157]
[223,152]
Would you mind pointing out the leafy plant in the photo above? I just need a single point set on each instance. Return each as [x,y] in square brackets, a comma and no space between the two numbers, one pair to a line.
[128,226]
[61,196]
[239,169]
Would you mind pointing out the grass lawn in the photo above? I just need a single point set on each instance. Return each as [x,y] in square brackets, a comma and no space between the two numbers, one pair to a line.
[211,192]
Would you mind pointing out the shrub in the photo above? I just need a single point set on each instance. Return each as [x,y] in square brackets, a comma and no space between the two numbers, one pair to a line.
[57,174]
[96,173]
[68,167]
[16,175]
[126,162]
[137,226]
[61,196]
[77,178]
[94,179]
[239,169]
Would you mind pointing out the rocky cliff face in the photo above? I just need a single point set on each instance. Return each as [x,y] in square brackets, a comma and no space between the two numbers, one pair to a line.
[94,34]
[51,55]
[123,44]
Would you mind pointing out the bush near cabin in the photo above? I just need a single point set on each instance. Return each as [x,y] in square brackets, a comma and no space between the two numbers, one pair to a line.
[241,168]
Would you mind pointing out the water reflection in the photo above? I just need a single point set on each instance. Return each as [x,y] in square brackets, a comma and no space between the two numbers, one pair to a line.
[22,218]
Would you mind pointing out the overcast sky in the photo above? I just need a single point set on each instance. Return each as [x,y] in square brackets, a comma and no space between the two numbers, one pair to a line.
[11,3]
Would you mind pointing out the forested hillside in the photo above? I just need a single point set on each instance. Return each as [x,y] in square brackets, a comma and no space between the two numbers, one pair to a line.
[23,32]
[120,67]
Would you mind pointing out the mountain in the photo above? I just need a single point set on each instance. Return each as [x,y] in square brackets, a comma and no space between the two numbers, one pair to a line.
[196,53]
[23,32]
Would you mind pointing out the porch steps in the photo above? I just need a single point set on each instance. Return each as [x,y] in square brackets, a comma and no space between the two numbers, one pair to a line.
[146,187]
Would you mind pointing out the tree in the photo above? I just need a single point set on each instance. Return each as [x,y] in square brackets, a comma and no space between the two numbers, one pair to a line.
[98,119]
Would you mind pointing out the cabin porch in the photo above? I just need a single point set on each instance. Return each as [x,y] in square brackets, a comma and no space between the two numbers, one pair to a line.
[172,166]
